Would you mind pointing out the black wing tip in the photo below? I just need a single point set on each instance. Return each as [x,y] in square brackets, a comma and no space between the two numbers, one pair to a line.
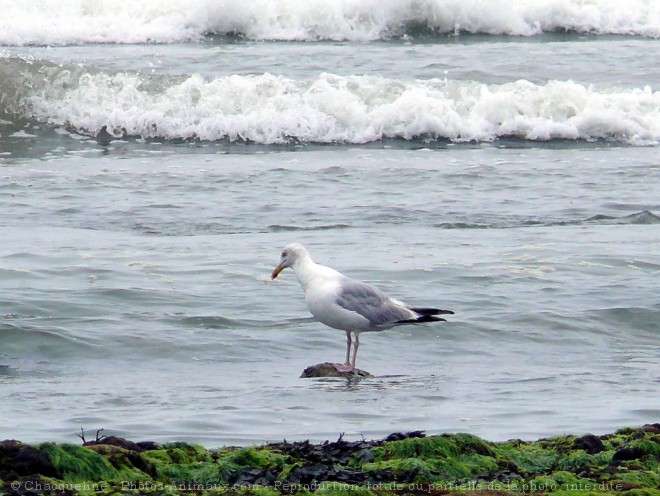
[431,311]
[431,318]
[421,320]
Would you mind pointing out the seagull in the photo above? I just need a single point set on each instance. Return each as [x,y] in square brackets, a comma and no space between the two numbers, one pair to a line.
[346,304]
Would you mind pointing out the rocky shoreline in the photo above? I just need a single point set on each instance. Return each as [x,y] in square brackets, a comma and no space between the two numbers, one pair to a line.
[625,462]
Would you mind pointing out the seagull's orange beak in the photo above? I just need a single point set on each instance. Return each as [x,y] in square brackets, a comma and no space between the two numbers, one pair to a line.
[276,271]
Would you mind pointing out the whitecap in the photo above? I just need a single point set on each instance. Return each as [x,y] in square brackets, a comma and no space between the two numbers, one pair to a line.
[270,109]
[65,22]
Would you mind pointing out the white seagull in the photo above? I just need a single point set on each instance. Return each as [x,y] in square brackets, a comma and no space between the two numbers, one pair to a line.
[343,303]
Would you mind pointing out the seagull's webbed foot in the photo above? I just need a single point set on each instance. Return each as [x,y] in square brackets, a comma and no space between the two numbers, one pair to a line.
[344,367]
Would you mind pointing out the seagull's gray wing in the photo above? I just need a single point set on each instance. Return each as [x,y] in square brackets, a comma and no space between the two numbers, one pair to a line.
[370,303]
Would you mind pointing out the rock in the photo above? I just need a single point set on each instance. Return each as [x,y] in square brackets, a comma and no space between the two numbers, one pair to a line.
[115,441]
[330,453]
[309,474]
[654,428]
[148,445]
[347,475]
[398,436]
[125,444]
[589,443]
[31,461]
[254,476]
[8,451]
[142,464]
[634,453]
[327,369]
[9,448]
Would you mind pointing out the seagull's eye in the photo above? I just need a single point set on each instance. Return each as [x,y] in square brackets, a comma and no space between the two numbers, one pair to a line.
[285,254]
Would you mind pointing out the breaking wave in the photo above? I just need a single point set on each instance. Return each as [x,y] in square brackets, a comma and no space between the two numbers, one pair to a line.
[62,22]
[270,109]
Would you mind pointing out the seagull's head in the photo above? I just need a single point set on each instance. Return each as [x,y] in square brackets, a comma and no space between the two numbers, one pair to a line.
[290,255]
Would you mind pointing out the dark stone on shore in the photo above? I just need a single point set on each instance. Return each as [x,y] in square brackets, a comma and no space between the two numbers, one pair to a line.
[118,448]
[338,452]
[31,461]
[654,428]
[589,443]
[399,436]
[141,464]
[624,454]
[331,460]
[9,448]
[123,443]
[254,476]
[328,369]
[148,445]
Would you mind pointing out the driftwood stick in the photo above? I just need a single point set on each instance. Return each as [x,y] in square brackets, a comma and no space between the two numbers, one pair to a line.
[82,435]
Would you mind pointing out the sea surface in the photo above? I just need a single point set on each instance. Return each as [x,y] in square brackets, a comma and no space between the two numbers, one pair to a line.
[500,159]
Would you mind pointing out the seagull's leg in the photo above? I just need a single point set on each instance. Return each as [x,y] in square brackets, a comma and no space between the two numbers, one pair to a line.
[346,366]
[356,345]
[349,341]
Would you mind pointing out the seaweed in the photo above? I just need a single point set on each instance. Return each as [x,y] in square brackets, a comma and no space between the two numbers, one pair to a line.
[626,462]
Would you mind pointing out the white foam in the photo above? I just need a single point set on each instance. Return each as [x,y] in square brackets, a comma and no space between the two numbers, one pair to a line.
[22,134]
[375,19]
[62,22]
[355,109]
[53,22]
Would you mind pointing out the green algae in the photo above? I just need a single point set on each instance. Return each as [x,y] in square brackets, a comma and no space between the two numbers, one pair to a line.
[184,462]
[249,457]
[232,461]
[445,458]
[626,462]
[78,464]
[198,472]
[179,453]
[529,458]
[548,465]
[642,478]
[128,465]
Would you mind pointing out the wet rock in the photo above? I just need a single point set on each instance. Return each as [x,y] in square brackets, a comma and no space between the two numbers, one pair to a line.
[503,476]
[148,445]
[125,444]
[654,428]
[119,451]
[589,443]
[142,464]
[339,452]
[328,369]
[399,436]
[30,461]
[115,441]
[254,476]
[309,474]
[8,451]
[624,454]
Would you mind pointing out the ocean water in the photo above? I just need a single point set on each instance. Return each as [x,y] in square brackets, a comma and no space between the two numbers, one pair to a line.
[499,159]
